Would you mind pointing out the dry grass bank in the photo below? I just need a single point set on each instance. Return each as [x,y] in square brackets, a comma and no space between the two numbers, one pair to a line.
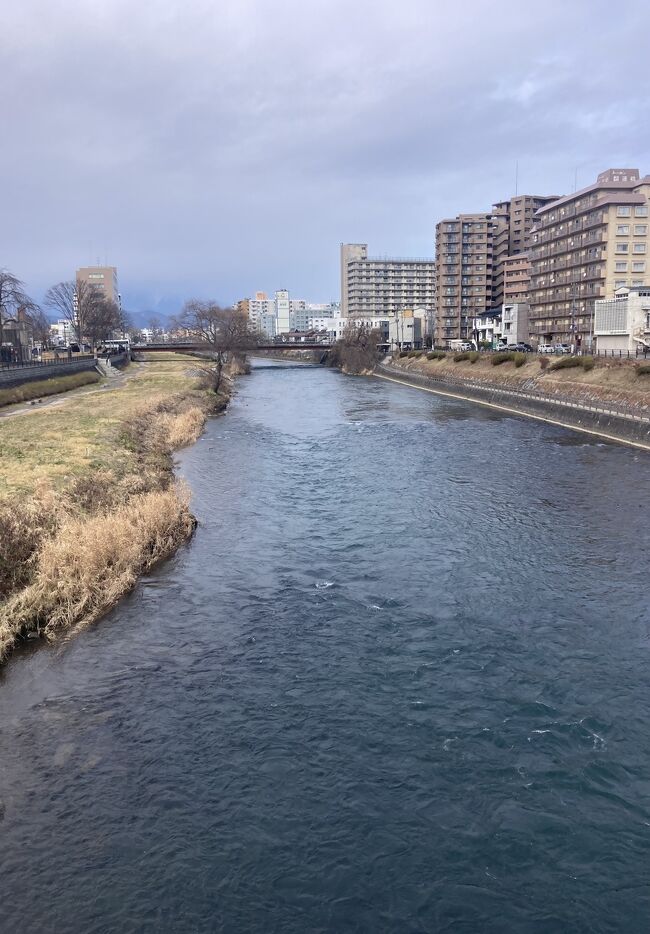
[609,380]
[90,500]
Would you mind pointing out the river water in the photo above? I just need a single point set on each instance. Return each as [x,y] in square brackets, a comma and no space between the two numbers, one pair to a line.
[398,682]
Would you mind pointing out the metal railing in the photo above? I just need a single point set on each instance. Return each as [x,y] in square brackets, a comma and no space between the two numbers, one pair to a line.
[56,361]
[620,410]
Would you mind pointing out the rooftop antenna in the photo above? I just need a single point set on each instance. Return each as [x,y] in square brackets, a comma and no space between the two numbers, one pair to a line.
[516,178]
[575,179]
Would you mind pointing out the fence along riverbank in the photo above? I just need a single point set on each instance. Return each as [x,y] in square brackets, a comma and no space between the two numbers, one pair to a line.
[612,420]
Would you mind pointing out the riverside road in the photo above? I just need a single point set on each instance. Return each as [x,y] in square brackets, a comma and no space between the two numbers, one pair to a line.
[398,682]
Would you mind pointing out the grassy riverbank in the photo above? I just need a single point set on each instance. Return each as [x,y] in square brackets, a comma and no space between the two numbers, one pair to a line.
[88,499]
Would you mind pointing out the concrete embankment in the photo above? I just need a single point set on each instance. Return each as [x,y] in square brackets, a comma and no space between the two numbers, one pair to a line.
[608,405]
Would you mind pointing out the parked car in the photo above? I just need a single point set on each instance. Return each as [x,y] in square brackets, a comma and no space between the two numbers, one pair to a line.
[562,348]
[522,347]
[546,348]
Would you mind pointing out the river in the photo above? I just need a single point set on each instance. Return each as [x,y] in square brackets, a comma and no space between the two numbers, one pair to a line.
[398,682]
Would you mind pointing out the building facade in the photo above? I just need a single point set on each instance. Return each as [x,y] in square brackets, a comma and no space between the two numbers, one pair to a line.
[622,323]
[472,251]
[373,287]
[583,247]
[104,279]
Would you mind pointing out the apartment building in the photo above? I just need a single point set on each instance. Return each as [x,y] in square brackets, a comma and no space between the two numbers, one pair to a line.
[379,286]
[471,255]
[516,278]
[271,316]
[104,279]
[584,246]
[463,274]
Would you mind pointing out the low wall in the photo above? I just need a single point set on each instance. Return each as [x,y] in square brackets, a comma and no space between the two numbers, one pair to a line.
[629,428]
[16,376]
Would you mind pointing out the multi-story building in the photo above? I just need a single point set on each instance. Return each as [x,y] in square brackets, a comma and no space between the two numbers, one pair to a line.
[471,255]
[516,278]
[374,286]
[463,274]
[104,279]
[272,316]
[584,247]
[622,323]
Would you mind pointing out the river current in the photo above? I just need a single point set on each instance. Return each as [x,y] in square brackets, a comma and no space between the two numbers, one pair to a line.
[398,682]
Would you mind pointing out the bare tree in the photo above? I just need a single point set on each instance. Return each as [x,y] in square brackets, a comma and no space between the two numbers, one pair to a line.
[225,333]
[13,299]
[356,352]
[76,303]
[40,325]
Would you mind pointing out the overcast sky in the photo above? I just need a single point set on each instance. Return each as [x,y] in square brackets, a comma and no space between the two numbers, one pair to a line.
[211,148]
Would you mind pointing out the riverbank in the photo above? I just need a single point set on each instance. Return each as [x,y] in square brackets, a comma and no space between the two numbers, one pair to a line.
[610,399]
[89,500]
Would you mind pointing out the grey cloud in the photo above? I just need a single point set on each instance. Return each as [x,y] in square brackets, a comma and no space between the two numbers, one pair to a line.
[214,148]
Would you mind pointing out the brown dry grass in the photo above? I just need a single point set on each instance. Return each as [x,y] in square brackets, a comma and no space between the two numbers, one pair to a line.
[66,556]
[91,562]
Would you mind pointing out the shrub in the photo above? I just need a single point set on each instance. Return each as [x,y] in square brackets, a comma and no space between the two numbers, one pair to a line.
[642,369]
[544,362]
[458,357]
[415,353]
[436,355]
[473,356]
[498,358]
[403,353]
[566,363]
[47,387]
[519,359]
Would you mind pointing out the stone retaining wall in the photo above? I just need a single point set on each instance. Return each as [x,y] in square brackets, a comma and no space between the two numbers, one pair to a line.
[16,376]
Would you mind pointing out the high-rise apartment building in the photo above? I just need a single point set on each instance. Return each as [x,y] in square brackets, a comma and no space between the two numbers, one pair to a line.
[471,251]
[463,274]
[376,286]
[516,278]
[584,247]
[104,279]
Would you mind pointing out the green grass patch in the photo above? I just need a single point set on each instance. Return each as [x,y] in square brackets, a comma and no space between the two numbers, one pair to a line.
[47,387]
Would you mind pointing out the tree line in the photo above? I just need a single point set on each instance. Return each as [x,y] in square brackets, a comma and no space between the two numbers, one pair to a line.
[92,317]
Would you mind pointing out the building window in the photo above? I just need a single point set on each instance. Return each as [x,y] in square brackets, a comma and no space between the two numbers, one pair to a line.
[636,283]
[621,267]
[623,247]
[640,230]
[622,211]
[622,230]
[620,283]
[641,210]
[638,267]
[639,247]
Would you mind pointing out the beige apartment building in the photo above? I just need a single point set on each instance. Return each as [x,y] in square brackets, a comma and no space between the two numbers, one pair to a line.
[377,286]
[471,252]
[516,278]
[583,247]
[104,279]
